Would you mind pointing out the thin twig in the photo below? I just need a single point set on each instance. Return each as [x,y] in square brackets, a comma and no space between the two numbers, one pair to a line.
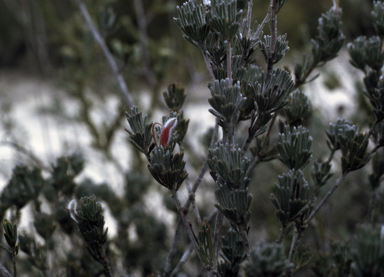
[191,194]
[111,61]
[273,26]
[273,30]
[30,155]
[329,193]
[211,216]
[183,260]
[194,188]
[373,151]
[205,165]
[252,165]
[208,65]
[4,272]
[188,252]
[186,223]
[282,235]
[370,131]
[331,156]
[295,243]
[143,36]
[249,17]
[261,27]
[173,250]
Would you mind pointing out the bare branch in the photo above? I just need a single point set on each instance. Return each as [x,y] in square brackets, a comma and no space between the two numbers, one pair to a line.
[4,272]
[111,61]
[172,251]
[142,23]
[329,193]
[26,152]
[183,260]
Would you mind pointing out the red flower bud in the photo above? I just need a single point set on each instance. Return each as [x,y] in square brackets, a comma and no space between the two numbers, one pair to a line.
[166,132]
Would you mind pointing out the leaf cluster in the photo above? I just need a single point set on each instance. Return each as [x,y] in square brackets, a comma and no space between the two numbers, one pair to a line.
[294,147]
[206,245]
[325,46]
[233,204]
[24,185]
[91,226]
[226,101]
[167,168]
[140,134]
[230,165]
[10,235]
[292,199]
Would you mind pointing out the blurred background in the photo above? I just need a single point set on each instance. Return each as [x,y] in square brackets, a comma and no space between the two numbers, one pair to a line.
[59,97]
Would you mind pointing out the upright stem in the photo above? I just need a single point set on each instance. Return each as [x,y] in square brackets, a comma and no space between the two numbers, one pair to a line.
[229,61]
[111,61]
[273,26]
[14,262]
[249,17]
[231,135]
[273,30]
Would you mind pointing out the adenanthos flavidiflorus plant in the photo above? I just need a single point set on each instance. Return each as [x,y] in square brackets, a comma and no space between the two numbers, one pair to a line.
[248,97]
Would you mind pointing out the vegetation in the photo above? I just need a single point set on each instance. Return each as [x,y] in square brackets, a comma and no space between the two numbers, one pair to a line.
[261,117]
